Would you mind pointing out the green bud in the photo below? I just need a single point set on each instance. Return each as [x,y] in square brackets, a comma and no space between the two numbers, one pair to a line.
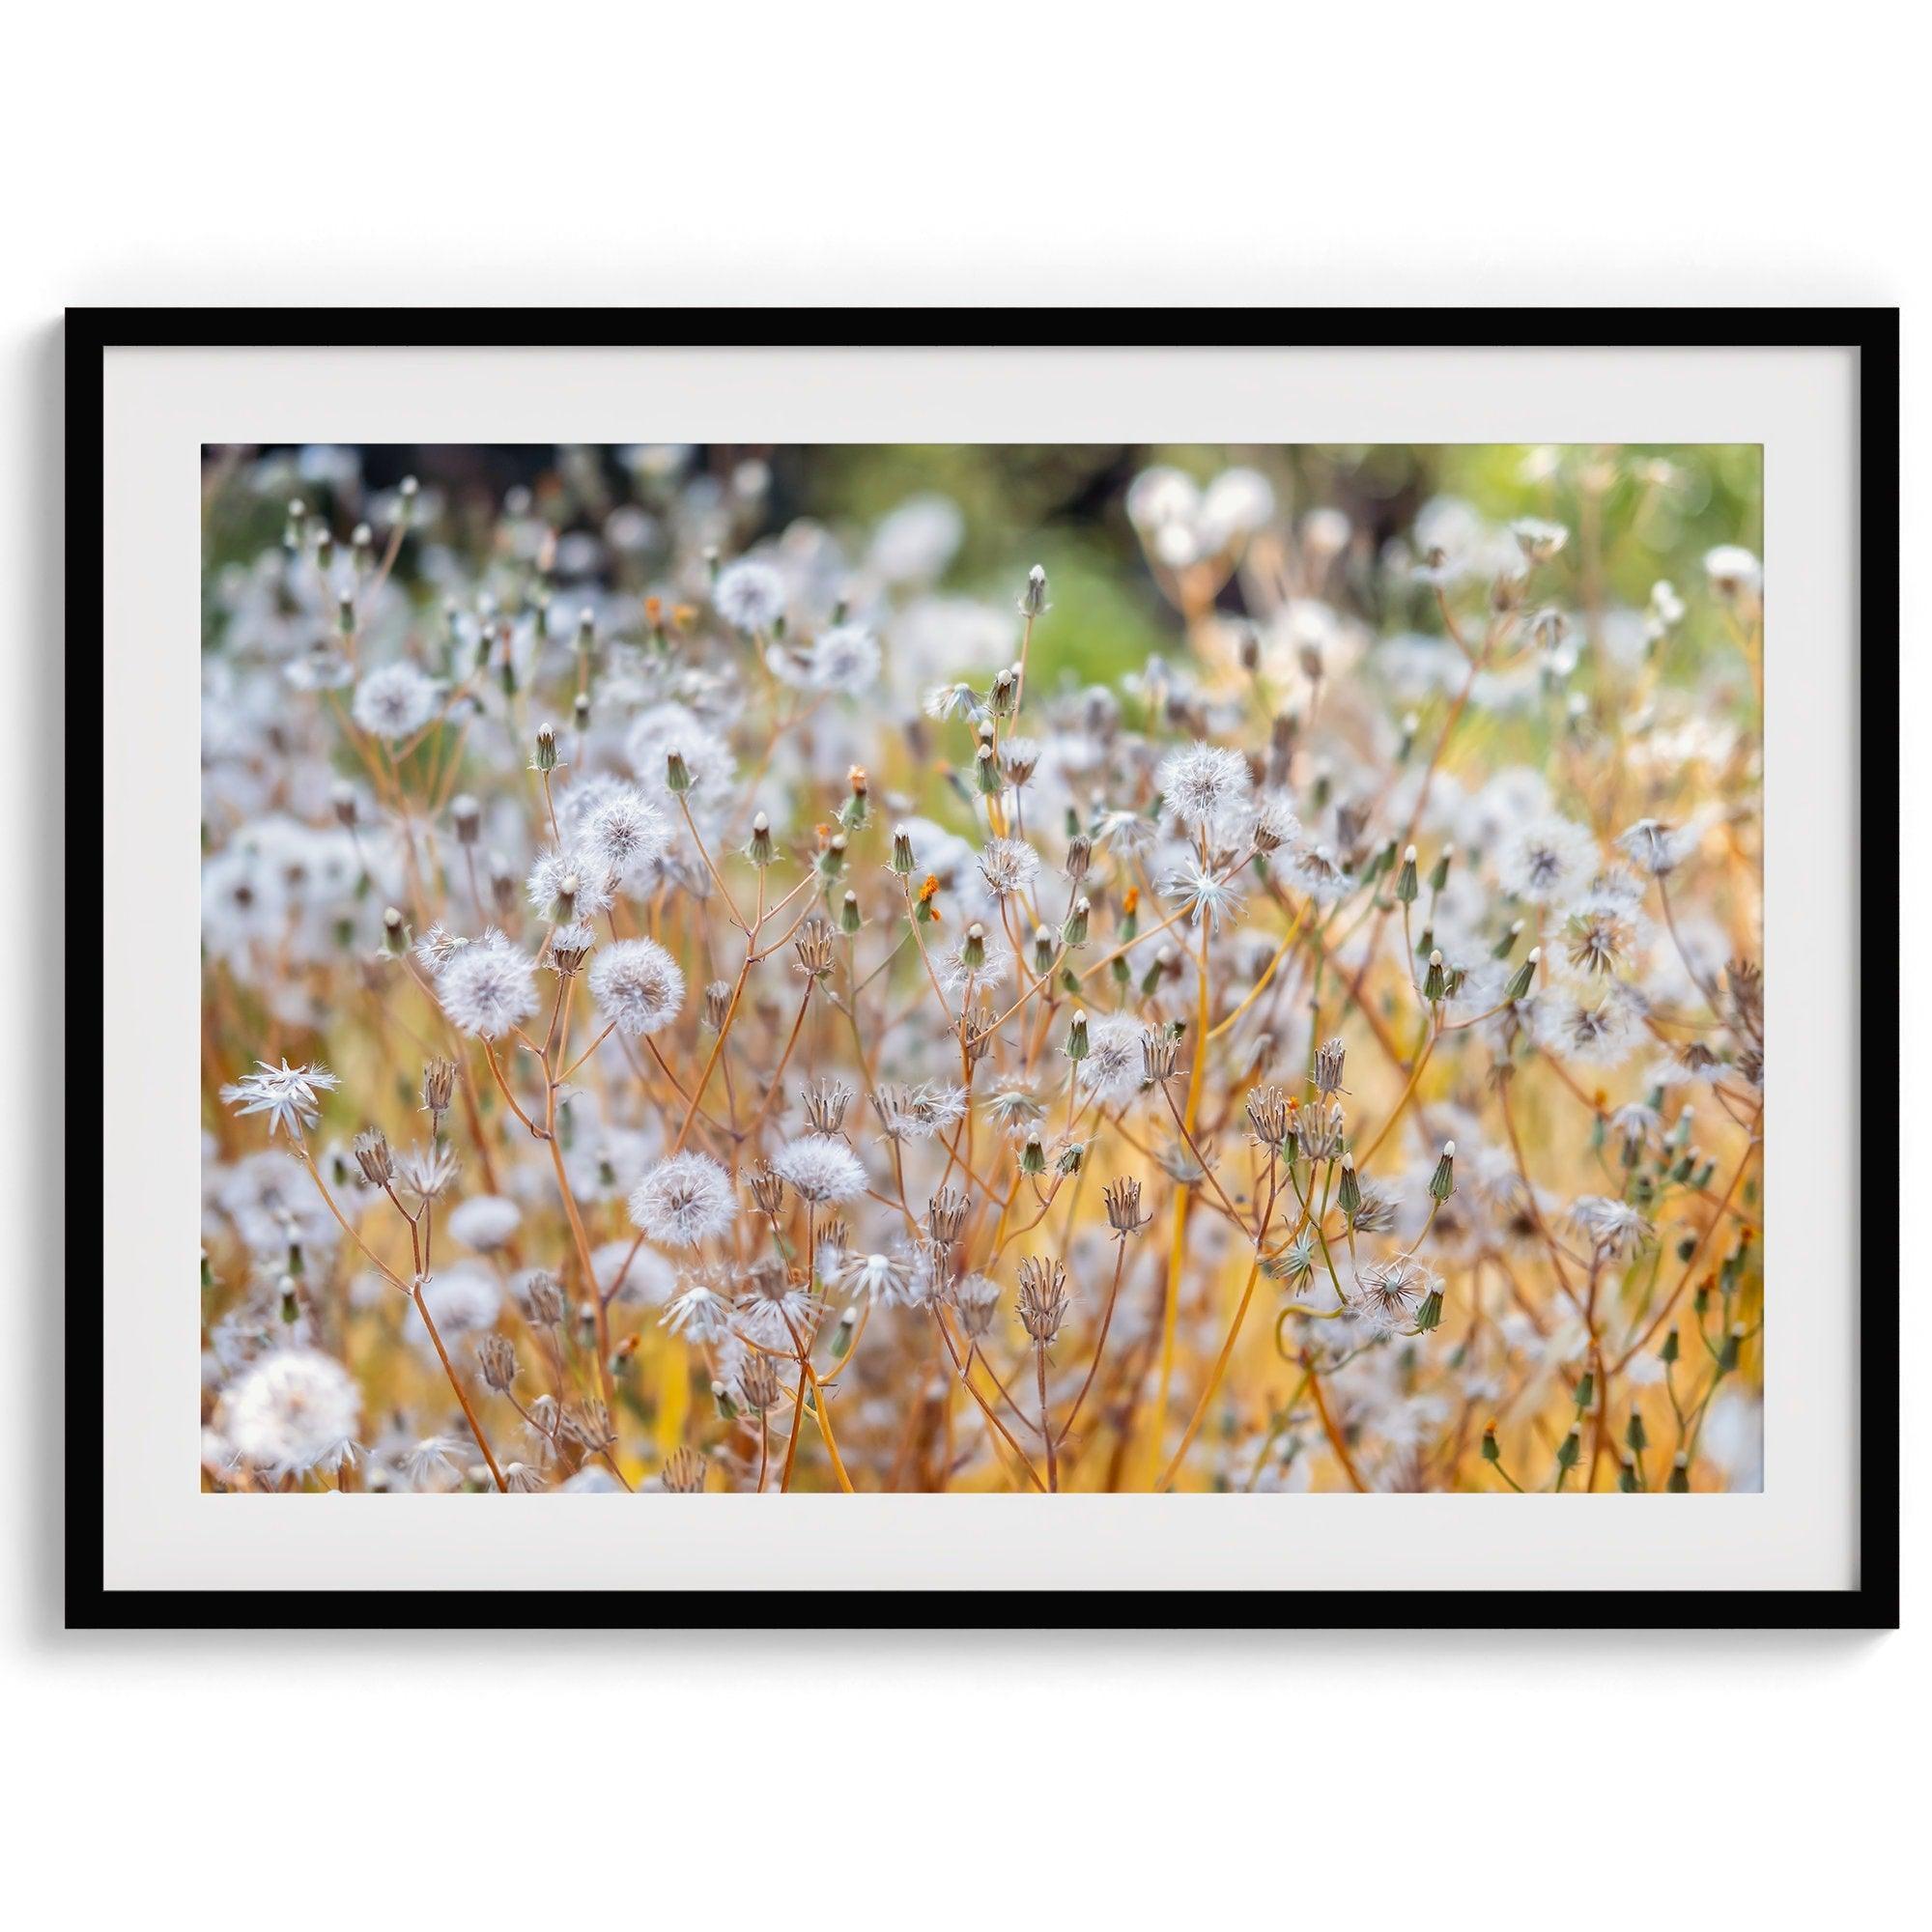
[841,1339]
[1524,976]
[1349,1193]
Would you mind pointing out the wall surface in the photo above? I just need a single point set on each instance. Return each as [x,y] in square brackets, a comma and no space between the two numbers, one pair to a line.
[1214,153]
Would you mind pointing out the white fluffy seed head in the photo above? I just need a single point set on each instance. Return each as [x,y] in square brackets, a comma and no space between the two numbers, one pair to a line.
[638,986]
[1202,783]
[292,1411]
[819,1168]
[684,1201]
[488,986]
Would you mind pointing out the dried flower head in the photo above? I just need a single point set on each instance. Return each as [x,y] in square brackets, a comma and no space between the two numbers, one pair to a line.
[1042,1297]
[498,1361]
[1124,1206]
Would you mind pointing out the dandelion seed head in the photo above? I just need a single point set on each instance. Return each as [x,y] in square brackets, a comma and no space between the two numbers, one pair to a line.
[396,701]
[749,595]
[638,986]
[1207,895]
[290,1096]
[485,1222]
[1203,783]
[819,1168]
[1009,866]
[293,1411]
[684,1201]
[1546,861]
[489,987]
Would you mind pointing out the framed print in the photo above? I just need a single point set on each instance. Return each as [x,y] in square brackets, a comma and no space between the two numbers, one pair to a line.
[894,967]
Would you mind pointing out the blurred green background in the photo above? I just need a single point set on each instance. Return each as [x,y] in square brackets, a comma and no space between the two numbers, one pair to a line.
[1064,507]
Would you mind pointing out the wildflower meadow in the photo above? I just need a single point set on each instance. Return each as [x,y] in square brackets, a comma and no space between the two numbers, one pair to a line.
[981,969]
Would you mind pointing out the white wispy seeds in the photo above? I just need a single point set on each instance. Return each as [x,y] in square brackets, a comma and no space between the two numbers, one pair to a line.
[1208,894]
[566,878]
[1653,847]
[294,1410]
[684,1201]
[485,1222]
[818,1168]
[1113,1070]
[749,595]
[1387,1294]
[1009,866]
[622,833]
[395,703]
[638,986]
[1546,862]
[1202,783]
[489,987]
[290,1096]
[1024,976]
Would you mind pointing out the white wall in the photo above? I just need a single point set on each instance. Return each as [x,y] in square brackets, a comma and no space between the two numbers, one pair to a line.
[1211,153]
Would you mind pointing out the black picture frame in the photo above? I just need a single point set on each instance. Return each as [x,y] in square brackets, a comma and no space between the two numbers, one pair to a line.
[1874,333]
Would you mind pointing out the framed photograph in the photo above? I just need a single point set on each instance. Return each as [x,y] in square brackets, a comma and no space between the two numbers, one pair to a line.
[1186,968]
